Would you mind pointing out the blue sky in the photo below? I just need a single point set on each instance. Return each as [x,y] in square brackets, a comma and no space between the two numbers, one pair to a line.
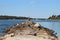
[30,8]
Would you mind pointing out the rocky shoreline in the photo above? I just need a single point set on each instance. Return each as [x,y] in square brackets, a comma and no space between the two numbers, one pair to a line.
[29,31]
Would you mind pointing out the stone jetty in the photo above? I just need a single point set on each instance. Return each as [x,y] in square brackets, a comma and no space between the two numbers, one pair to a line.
[29,31]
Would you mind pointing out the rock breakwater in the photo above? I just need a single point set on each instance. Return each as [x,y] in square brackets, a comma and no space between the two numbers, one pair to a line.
[29,31]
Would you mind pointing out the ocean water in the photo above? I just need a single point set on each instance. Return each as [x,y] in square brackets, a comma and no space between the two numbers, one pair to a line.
[51,24]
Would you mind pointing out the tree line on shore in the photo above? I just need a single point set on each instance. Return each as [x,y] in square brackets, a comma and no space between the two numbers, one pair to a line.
[13,17]
[54,17]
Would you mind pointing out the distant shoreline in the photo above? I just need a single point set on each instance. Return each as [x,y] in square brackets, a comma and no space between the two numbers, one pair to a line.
[26,18]
[13,18]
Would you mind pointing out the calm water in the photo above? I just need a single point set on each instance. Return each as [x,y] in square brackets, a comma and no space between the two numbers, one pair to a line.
[55,24]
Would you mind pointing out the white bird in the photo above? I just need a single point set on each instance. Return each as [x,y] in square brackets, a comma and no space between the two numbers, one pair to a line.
[17,24]
[36,25]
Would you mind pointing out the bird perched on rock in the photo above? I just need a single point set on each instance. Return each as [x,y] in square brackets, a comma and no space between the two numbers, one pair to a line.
[36,25]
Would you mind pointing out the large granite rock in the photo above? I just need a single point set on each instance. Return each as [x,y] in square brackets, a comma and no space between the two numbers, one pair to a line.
[29,31]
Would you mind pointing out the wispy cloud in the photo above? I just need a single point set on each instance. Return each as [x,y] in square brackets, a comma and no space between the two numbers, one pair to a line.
[32,3]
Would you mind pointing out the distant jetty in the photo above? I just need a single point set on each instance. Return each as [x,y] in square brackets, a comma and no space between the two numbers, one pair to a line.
[29,31]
